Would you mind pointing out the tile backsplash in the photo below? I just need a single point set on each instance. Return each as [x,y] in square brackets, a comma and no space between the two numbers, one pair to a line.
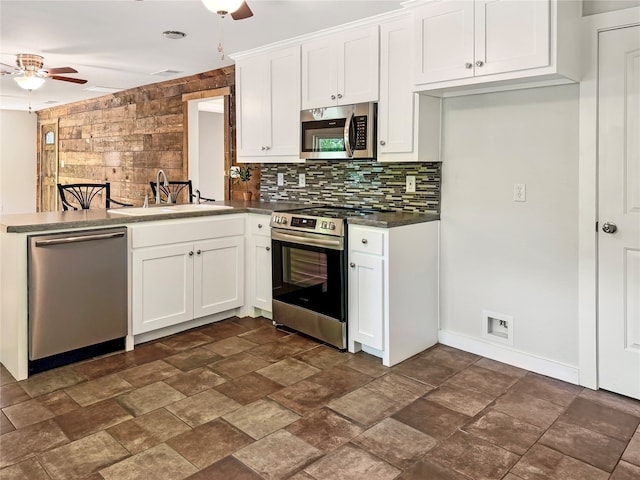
[359,183]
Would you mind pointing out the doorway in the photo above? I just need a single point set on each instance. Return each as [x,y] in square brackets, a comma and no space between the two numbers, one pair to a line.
[207,141]
[619,211]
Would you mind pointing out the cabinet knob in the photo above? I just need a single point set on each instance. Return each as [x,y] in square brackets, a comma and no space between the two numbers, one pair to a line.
[191,253]
[383,143]
[365,241]
[479,63]
[333,97]
[259,225]
[268,249]
[468,65]
[267,147]
[263,148]
[352,265]
[339,95]
[199,252]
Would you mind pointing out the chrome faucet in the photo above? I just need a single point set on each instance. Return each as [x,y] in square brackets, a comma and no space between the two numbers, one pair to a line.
[166,184]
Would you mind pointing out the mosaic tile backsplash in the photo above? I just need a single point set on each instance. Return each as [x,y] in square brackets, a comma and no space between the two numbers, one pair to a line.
[362,183]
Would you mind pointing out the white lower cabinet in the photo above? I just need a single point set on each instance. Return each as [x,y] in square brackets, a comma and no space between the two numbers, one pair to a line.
[259,268]
[393,290]
[175,281]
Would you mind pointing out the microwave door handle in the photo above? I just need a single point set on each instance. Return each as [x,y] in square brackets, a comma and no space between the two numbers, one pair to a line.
[347,131]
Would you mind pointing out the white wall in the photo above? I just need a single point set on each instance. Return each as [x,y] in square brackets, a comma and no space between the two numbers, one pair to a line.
[211,162]
[514,258]
[18,161]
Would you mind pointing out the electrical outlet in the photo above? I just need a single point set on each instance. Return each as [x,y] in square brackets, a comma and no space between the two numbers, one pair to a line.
[280,179]
[519,192]
[302,182]
[411,184]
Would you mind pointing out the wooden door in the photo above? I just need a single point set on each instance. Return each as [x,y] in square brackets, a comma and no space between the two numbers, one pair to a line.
[48,177]
[619,211]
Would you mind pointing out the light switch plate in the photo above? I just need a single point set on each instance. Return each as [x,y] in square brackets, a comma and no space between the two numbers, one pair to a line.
[280,179]
[411,184]
[302,182]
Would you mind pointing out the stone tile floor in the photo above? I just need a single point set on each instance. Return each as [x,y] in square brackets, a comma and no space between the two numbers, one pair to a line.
[240,400]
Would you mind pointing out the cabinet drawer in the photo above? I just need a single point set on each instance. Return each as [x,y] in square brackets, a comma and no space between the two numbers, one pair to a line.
[366,240]
[259,225]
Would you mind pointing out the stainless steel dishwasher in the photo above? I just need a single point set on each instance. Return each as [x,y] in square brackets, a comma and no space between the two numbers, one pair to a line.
[77,296]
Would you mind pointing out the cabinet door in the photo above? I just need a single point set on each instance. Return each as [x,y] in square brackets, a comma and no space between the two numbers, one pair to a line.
[251,90]
[358,66]
[511,35]
[319,73]
[218,276]
[444,41]
[366,299]
[395,110]
[261,272]
[284,103]
[162,287]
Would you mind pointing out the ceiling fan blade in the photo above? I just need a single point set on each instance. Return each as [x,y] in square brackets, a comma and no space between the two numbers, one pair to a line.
[55,71]
[243,12]
[68,79]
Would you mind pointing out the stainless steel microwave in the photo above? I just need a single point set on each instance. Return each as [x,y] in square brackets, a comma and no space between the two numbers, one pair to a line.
[344,132]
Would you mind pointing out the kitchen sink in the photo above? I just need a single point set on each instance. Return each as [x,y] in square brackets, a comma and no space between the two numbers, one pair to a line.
[186,207]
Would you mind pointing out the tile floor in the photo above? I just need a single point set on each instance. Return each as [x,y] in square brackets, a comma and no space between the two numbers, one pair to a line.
[240,400]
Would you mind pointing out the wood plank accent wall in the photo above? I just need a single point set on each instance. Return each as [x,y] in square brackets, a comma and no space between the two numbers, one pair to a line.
[125,137]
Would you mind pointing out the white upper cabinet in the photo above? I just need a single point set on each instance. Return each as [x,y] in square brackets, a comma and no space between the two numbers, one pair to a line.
[268,106]
[462,43]
[408,123]
[340,68]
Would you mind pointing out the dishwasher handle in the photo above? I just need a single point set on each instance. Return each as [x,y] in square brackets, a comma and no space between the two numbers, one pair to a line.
[78,239]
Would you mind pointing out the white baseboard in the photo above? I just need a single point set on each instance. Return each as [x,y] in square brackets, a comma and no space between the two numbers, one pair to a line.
[504,354]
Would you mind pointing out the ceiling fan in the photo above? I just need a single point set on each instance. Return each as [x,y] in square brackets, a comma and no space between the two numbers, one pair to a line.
[238,9]
[32,75]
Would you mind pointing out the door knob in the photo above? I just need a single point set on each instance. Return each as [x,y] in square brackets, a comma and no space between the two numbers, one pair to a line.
[609,227]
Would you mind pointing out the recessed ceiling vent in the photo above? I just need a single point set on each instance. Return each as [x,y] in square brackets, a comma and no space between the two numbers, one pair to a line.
[166,73]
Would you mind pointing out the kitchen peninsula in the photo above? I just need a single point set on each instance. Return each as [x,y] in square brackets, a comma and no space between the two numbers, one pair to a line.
[15,230]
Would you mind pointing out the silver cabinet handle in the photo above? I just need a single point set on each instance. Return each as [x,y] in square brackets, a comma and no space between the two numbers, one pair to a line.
[339,95]
[191,253]
[352,265]
[259,225]
[479,63]
[78,238]
[333,97]
[268,249]
[609,227]
[468,65]
[365,241]
[383,143]
[199,252]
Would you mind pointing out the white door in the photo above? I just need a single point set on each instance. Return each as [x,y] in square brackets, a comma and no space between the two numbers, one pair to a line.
[366,299]
[319,73]
[619,204]
[444,41]
[261,262]
[358,74]
[251,90]
[218,283]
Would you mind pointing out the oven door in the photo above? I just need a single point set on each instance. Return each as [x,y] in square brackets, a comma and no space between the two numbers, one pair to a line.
[309,272]
[309,285]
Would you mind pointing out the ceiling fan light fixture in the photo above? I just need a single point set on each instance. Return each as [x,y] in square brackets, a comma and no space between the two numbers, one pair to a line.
[222,7]
[29,82]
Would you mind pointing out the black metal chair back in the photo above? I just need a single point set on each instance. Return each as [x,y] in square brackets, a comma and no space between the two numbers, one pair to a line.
[174,189]
[80,195]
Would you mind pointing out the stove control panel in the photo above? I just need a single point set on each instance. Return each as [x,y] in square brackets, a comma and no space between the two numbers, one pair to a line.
[307,223]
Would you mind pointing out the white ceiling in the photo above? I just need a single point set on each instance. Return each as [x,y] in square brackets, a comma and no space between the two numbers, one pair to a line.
[119,43]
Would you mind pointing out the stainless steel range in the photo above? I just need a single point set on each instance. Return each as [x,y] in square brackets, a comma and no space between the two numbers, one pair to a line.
[309,259]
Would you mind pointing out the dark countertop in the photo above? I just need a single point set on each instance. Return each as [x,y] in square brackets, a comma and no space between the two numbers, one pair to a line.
[46,221]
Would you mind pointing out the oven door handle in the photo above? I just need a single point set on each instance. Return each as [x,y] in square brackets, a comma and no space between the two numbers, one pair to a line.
[332,243]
